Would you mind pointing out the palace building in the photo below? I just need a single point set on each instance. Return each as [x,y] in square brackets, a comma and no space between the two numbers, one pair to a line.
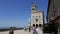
[37,18]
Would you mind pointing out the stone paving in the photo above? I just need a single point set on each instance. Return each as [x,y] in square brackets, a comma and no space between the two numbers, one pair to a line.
[20,32]
[4,32]
[26,32]
[16,32]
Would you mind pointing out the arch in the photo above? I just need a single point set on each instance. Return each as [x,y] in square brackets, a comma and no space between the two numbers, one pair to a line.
[33,25]
[39,25]
[36,25]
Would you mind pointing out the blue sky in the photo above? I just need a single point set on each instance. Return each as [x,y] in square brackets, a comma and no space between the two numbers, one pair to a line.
[16,12]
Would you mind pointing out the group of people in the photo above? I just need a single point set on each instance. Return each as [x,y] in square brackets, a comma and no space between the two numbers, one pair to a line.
[35,30]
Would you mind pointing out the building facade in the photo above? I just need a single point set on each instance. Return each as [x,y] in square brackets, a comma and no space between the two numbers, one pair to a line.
[53,12]
[37,18]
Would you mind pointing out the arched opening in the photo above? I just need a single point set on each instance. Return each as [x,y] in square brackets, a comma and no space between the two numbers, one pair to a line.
[39,25]
[36,25]
[33,25]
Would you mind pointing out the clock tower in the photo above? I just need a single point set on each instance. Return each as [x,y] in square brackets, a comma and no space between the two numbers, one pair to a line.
[37,18]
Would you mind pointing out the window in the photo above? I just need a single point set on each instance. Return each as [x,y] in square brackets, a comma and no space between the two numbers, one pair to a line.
[33,9]
[36,20]
[33,16]
[39,16]
[36,16]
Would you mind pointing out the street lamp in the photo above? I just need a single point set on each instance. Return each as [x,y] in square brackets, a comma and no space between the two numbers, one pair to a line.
[29,24]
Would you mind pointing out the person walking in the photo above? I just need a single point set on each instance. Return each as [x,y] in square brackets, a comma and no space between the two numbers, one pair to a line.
[34,29]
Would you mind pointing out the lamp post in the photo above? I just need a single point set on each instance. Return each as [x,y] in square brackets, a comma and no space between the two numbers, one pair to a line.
[29,22]
[29,25]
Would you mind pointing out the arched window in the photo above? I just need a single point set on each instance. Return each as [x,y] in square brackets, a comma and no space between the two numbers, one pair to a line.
[33,16]
[36,20]
[39,16]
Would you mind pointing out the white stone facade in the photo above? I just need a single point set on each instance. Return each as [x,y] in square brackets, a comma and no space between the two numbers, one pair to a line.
[37,18]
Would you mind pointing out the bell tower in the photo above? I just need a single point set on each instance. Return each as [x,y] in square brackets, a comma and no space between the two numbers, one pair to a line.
[33,8]
[36,18]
